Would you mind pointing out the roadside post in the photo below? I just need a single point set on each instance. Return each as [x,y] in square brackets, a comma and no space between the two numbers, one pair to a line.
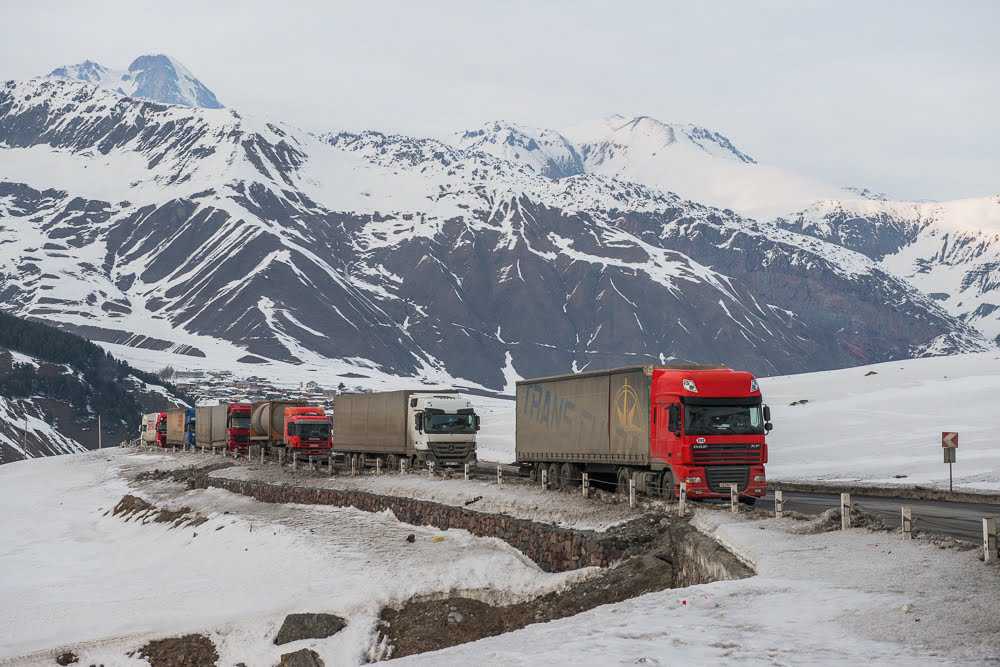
[734,506]
[262,455]
[949,443]
[779,504]
[499,476]
[466,472]
[545,479]
[402,466]
[845,511]
[585,485]
[631,492]
[99,440]
[295,460]
[682,497]
[989,539]
[906,522]
[378,465]
[329,464]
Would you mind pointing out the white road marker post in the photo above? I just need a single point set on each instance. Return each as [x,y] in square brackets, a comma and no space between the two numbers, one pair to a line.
[779,504]
[734,500]
[631,492]
[403,466]
[312,464]
[585,485]
[262,455]
[378,465]
[845,511]
[100,442]
[989,539]
[466,472]
[545,478]
[354,466]
[682,497]
[295,460]
[906,522]
[329,464]
[499,476]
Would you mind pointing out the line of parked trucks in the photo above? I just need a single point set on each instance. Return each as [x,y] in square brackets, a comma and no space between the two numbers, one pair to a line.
[656,426]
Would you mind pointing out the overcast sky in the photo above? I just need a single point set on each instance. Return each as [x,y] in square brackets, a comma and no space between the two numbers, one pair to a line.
[902,97]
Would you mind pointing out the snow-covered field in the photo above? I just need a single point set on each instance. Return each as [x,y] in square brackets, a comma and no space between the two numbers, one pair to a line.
[72,577]
[829,599]
[867,423]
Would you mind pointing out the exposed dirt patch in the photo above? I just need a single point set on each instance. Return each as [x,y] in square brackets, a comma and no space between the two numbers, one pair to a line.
[131,508]
[308,626]
[186,651]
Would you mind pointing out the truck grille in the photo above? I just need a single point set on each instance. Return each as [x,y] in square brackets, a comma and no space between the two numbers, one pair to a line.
[451,453]
[726,453]
[716,476]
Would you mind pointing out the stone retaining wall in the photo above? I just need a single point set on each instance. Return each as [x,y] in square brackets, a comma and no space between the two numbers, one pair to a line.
[554,549]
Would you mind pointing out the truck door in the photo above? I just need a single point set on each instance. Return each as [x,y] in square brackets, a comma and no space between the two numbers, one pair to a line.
[666,443]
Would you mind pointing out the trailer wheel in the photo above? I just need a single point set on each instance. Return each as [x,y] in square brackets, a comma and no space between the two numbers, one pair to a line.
[624,474]
[534,472]
[392,463]
[555,480]
[569,475]
[666,485]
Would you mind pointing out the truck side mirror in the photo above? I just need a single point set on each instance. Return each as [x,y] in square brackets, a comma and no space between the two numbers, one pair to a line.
[476,417]
[768,426]
[675,420]
[767,413]
[418,422]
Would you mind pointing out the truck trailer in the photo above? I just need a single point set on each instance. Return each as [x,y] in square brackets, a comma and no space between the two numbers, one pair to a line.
[419,426]
[224,425]
[293,425]
[656,425]
[181,428]
[153,429]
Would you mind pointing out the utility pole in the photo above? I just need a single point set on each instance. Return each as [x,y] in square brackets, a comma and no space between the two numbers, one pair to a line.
[99,441]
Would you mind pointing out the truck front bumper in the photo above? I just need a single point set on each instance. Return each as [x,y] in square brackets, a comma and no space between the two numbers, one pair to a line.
[450,454]
[707,482]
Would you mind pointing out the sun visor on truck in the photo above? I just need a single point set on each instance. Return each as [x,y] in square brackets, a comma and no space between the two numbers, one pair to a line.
[720,402]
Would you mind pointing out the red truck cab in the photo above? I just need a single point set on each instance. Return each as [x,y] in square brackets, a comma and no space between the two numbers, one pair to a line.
[307,430]
[238,426]
[708,428]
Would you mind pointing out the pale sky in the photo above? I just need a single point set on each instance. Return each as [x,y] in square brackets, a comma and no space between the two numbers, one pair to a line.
[900,97]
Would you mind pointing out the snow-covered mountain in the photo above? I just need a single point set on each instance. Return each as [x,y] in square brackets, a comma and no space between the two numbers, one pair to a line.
[949,250]
[154,77]
[696,163]
[205,232]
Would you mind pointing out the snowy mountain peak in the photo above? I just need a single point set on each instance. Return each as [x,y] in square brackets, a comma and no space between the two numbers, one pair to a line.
[544,151]
[153,77]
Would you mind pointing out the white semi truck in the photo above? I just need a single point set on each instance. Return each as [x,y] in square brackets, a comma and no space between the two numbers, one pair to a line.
[419,426]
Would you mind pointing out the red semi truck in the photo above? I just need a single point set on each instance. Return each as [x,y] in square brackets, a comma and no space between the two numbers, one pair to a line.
[153,430]
[294,425]
[224,425]
[656,425]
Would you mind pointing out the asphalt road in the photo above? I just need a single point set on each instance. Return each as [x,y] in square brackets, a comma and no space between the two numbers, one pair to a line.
[959,520]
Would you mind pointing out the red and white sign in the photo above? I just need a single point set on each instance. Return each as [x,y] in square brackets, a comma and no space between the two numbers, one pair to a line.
[949,439]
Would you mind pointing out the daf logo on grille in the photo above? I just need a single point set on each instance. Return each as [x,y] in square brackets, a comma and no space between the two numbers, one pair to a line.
[700,441]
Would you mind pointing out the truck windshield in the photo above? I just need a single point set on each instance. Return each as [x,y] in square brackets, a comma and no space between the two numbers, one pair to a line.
[464,423]
[239,421]
[313,430]
[723,420]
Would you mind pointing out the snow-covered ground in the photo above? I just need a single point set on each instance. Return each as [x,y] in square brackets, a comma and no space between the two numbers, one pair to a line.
[829,599]
[867,423]
[73,577]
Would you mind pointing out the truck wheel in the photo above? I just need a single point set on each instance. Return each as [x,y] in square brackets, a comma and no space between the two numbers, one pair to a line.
[569,476]
[534,473]
[666,485]
[624,474]
[392,463]
[555,481]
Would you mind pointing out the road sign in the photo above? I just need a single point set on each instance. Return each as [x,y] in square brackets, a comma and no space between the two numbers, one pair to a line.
[949,439]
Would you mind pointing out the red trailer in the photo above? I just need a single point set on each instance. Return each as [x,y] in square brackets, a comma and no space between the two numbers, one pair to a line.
[658,426]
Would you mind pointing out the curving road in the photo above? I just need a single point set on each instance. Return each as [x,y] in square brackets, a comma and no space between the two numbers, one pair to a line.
[959,520]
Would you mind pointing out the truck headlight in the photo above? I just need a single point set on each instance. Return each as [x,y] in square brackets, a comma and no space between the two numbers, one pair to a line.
[753,385]
[692,480]
[759,478]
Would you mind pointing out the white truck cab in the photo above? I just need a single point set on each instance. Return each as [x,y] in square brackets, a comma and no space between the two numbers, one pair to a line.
[442,427]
